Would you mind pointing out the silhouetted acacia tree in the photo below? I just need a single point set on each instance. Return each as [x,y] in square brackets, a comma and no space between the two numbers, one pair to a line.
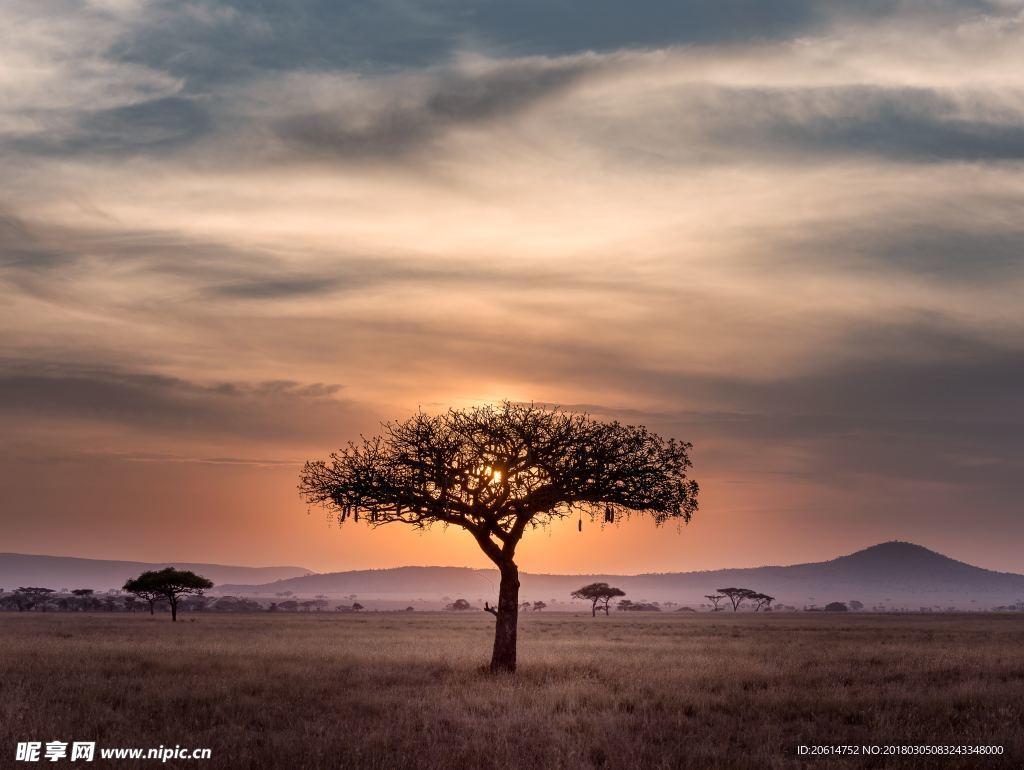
[28,597]
[149,596]
[761,600]
[170,584]
[496,471]
[598,593]
[737,596]
[715,599]
[836,607]
[539,605]
[459,604]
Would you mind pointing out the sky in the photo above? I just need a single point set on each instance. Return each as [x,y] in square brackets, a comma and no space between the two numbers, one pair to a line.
[235,235]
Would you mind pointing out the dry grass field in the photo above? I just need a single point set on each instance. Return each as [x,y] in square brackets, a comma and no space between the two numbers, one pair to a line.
[407,690]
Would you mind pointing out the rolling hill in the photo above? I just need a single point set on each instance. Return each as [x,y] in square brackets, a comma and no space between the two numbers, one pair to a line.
[18,569]
[895,574]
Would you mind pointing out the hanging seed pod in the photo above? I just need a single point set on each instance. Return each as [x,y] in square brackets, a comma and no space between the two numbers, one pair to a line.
[581,525]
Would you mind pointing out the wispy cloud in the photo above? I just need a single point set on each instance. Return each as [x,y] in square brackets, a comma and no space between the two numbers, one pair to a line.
[395,116]
[789,230]
[268,411]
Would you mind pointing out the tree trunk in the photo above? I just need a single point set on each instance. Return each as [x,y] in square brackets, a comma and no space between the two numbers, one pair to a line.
[152,610]
[174,610]
[504,656]
[593,609]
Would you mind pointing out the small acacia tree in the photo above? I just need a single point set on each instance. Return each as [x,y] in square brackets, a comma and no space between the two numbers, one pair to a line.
[170,584]
[598,594]
[28,597]
[737,596]
[148,595]
[497,471]
[715,599]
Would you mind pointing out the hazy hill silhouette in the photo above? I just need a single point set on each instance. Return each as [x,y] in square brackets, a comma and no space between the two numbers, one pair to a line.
[895,573]
[18,569]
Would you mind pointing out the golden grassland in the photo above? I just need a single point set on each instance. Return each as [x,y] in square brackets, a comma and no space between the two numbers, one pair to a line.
[408,689]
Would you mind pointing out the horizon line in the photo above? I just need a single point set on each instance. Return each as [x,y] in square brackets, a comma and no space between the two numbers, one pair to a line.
[483,569]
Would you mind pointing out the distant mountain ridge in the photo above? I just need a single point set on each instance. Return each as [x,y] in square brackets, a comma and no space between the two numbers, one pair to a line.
[19,569]
[896,573]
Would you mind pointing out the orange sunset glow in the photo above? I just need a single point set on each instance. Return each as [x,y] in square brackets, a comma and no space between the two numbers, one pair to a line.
[794,243]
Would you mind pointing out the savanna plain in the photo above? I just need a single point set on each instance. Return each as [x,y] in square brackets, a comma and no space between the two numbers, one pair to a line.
[390,690]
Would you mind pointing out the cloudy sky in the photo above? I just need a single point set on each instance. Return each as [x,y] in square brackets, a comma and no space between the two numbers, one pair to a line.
[234,235]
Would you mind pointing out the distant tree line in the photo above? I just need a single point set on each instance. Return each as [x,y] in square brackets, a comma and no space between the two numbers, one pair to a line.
[601,594]
[147,598]
[626,605]
[35,599]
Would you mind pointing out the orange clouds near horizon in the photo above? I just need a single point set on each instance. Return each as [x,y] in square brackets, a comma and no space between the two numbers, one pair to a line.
[790,236]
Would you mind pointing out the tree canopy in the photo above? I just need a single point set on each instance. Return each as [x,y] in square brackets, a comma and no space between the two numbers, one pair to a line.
[737,596]
[496,471]
[598,594]
[169,584]
[28,596]
[715,599]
